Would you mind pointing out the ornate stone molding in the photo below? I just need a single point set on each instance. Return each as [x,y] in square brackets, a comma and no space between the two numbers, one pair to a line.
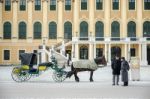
[14,1]
[44,0]
[1,1]
[60,0]
[29,0]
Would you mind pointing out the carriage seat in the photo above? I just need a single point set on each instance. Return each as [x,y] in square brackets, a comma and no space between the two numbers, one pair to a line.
[45,64]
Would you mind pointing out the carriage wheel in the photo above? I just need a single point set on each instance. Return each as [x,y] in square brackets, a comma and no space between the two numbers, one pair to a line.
[59,76]
[19,75]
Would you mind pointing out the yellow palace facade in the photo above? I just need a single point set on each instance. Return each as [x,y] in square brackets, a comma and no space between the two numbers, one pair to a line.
[88,28]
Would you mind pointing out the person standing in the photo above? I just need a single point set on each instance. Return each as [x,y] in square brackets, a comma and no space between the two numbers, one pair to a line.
[116,67]
[124,71]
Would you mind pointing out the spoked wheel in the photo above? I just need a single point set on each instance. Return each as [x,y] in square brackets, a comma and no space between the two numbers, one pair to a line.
[20,75]
[59,76]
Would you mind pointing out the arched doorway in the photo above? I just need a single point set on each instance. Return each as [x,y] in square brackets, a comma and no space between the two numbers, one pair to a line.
[83,52]
[148,54]
[115,51]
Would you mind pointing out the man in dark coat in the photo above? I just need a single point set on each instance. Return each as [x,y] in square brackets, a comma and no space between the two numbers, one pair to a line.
[124,71]
[116,67]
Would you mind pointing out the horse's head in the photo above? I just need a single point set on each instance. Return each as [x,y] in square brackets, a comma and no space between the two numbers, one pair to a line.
[100,60]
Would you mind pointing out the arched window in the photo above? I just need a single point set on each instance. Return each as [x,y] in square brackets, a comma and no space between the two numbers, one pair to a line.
[132,30]
[146,29]
[52,30]
[68,30]
[22,30]
[37,30]
[7,30]
[99,30]
[84,30]
[115,30]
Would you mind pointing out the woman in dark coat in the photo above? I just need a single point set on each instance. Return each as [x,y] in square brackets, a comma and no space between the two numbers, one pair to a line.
[116,67]
[124,71]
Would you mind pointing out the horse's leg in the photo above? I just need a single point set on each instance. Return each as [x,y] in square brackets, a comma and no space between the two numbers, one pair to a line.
[91,76]
[76,77]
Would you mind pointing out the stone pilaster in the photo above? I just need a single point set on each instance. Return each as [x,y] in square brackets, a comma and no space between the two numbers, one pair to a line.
[139,19]
[77,51]
[45,24]
[30,24]
[1,25]
[60,19]
[123,30]
[15,20]
[109,54]
[76,18]
[126,51]
[106,52]
[144,55]
[107,18]
[91,17]
[91,51]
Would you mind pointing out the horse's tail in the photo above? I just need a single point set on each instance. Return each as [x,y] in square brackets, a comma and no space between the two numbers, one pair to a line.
[70,73]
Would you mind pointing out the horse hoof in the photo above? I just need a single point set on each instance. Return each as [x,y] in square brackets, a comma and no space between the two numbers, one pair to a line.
[77,80]
[91,80]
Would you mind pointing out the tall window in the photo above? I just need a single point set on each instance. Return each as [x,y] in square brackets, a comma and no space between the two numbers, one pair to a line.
[37,4]
[147,4]
[22,30]
[52,30]
[115,4]
[21,51]
[68,30]
[37,30]
[83,52]
[131,4]
[67,4]
[99,4]
[83,4]
[52,4]
[132,52]
[99,30]
[146,29]
[84,30]
[7,30]
[132,30]
[22,5]
[6,54]
[7,5]
[115,30]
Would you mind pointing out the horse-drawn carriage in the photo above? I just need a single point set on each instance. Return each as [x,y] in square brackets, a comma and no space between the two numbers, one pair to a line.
[26,70]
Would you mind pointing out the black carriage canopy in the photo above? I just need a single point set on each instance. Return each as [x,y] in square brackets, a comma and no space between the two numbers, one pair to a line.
[28,59]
